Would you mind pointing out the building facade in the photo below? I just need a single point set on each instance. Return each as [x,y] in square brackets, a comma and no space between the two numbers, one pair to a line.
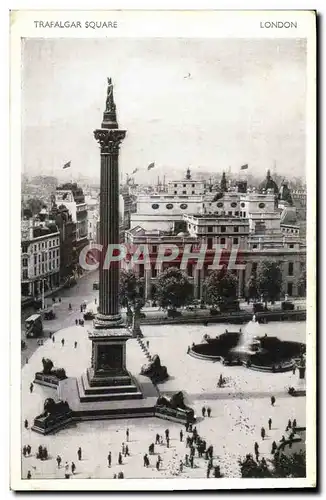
[40,257]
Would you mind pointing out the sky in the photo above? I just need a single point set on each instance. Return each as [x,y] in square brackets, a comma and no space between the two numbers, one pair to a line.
[244,102]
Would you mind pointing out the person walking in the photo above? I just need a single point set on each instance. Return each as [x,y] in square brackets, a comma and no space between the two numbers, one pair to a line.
[168,442]
[26,423]
[62,342]
[274,447]
[157,439]
[29,475]
[120,458]
[167,433]
[69,306]
[146,460]
[294,369]
[53,338]
[66,470]
[191,460]
[109,459]
[203,411]
[127,454]
[95,301]
[123,448]
[31,387]
[28,449]
[209,411]
[127,434]
[73,467]
[24,451]
[294,424]
[181,466]
[186,460]
[181,436]
[269,423]
[273,400]
[76,321]
[75,344]
[263,433]
[58,459]
[256,447]
[79,453]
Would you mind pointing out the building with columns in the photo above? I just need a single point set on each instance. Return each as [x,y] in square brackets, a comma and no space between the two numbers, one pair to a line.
[249,221]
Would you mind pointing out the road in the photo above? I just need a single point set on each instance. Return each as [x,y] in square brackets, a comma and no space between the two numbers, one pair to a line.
[82,291]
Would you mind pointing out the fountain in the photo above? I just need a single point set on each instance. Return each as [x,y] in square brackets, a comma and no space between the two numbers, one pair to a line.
[250,347]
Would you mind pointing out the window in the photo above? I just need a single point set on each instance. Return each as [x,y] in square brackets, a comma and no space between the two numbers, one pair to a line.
[141,270]
[236,229]
[242,205]
[184,192]
[43,244]
[244,214]
[175,192]
[24,248]
[236,241]
[254,246]
[219,204]
[175,185]
[49,266]
[185,185]
[222,240]
[25,262]
[261,205]
[291,246]
[25,274]
[50,242]
[35,259]
[230,212]
[42,268]
[58,253]
[169,206]
[209,243]
[57,262]
[193,185]
[210,229]
[35,271]
[236,214]
[290,272]
[154,248]
[183,206]
[233,204]
[155,206]
[43,257]
[223,229]
[192,192]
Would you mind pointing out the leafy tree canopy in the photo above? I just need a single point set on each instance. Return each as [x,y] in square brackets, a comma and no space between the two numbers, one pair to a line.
[173,289]
[130,296]
[269,280]
[220,285]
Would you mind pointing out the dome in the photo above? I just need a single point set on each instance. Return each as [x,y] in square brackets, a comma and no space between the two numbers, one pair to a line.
[268,183]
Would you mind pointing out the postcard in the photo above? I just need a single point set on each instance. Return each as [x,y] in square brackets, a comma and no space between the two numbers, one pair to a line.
[163,242]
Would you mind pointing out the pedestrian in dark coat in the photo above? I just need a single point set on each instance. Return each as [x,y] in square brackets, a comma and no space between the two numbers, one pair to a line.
[31,387]
[75,344]
[168,442]
[191,461]
[294,424]
[181,435]
[58,459]
[53,338]
[79,453]
[274,447]
[24,451]
[157,439]
[26,423]
[209,411]
[127,451]
[263,433]
[120,458]
[73,467]
[273,400]
[29,449]
[63,342]
[109,459]
[203,411]
[167,433]
[269,423]
[29,475]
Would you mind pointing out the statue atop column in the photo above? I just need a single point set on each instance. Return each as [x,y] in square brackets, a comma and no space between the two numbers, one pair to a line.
[110,105]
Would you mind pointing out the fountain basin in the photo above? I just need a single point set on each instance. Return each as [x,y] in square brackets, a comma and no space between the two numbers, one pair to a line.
[261,353]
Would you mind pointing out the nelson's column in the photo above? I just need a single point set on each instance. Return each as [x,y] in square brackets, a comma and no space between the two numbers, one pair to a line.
[108,379]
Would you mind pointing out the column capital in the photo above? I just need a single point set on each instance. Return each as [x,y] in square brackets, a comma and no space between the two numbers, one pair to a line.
[109,140]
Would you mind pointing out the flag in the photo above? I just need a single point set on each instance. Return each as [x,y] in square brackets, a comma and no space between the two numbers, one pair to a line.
[151,165]
[244,167]
[67,165]
[134,171]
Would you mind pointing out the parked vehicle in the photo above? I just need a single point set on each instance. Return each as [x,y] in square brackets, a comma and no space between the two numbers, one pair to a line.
[49,314]
[172,313]
[287,306]
[96,285]
[229,306]
[258,307]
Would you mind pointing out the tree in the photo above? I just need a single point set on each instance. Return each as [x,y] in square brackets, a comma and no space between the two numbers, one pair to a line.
[269,280]
[293,465]
[280,466]
[220,286]
[35,205]
[173,289]
[131,298]
[302,282]
[252,288]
